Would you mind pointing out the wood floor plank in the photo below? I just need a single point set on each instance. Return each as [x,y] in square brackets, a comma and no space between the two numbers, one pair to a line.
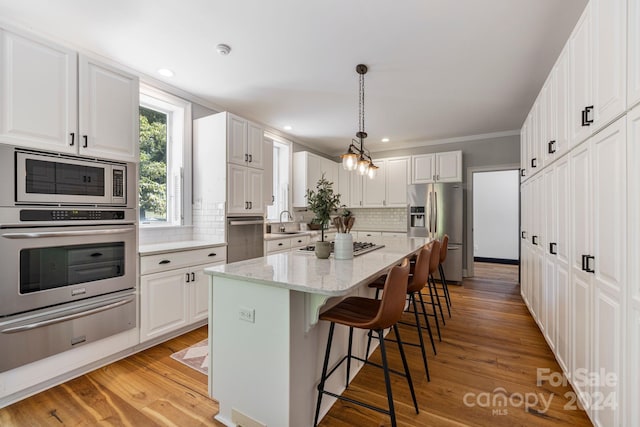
[491,348]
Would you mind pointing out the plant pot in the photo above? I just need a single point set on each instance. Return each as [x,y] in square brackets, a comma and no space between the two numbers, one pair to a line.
[323,250]
[343,246]
[314,226]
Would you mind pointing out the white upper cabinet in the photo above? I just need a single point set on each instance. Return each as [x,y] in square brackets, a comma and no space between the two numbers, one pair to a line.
[609,20]
[580,78]
[109,103]
[269,196]
[389,187]
[344,185]
[437,167]
[245,142]
[53,101]
[633,74]
[38,94]
[560,136]
[424,168]
[308,168]
[523,152]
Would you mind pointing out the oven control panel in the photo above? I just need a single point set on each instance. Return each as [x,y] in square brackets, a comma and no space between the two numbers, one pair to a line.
[69,215]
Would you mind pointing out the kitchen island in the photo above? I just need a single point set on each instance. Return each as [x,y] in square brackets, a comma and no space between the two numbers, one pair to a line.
[265,343]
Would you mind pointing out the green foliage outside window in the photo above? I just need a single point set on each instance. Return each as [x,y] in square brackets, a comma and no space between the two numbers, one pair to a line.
[153,165]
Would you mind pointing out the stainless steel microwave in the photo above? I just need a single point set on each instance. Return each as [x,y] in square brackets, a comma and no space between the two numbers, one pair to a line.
[55,179]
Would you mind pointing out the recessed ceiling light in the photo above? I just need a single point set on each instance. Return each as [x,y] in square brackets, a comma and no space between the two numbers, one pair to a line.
[385,139]
[287,127]
[165,72]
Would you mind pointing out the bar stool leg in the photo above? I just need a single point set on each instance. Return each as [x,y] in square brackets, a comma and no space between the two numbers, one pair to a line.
[406,367]
[424,353]
[349,356]
[435,290]
[445,288]
[426,320]
[387,380]
[323,378]
[433,306]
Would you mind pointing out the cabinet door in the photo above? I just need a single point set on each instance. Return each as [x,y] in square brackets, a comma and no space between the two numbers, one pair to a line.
[633,64]
[561,78]
[236,183]
[633,297]
[356,190]
[164,306]
[254,190]
[610,251]
[199,294]
[38,86]
[268,193]
[609,20]
[374,190]
[580,78]
[109,103]
[550,120]
[424,168]
[344,186]
[397,171]
[543,121]
[535,162]
[449,166]
[580,292]
[523,152]
[237,140]
[255,146]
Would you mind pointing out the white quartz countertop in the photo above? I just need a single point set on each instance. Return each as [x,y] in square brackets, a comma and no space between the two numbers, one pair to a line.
[305,273]
[183,245]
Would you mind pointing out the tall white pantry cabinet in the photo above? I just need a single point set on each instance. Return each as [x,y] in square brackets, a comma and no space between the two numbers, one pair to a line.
[580,192]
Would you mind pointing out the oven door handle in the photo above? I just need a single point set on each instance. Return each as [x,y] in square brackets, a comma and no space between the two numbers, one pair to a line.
[246,222]
[37,235]
[48,322]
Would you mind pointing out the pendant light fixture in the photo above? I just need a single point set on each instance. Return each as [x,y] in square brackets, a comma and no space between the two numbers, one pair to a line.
[357,158]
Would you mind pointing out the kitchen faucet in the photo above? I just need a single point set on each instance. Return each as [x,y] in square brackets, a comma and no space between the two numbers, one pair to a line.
[282,227]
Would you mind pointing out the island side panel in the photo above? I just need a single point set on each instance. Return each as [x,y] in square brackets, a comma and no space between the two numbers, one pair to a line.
[249,361]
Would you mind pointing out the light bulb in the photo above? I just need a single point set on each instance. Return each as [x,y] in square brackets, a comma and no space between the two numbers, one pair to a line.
[371,173]
[349,161]
[363,166]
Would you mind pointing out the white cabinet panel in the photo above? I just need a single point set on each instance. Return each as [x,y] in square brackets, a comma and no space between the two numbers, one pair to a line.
[374,190]
[255,190]
[562,282]
[523,152]
[109,103]
[237,140]
[550,119]
[164,304]
[255,146]
[308,168]
[38,80]
[236,184]
[344,186]
[355,190]
[609,60]
[269,196]
[397,181]
[561,80]
[424,168]
[633,59]
[581,330]
[580,78]
[437,167]
[199,295]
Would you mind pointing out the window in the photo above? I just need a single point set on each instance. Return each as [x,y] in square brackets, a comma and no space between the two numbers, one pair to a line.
[165,147]
[281,173]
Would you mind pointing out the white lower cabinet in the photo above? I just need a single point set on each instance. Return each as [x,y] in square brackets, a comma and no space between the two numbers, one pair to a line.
[287,244]
[175,298]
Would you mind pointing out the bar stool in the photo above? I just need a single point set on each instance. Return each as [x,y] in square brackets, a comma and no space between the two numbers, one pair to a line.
[445,286]
[433,266]
[375,315]
[416,283]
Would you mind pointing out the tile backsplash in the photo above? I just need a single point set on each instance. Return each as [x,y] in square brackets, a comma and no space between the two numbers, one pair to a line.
[370,219]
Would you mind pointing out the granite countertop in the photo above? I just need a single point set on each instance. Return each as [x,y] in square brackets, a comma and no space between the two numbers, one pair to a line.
[160,248]
[305,273]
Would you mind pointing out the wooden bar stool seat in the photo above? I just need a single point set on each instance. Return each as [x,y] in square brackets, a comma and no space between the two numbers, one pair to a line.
[376,315]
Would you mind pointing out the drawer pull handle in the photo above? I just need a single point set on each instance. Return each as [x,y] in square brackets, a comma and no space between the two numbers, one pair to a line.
[164,261]
[212,254]
[188,277]
[299,241]
[280,244]
[193,277]
[96,254]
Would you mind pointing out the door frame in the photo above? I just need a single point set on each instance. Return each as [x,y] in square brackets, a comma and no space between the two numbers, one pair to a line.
[469,225]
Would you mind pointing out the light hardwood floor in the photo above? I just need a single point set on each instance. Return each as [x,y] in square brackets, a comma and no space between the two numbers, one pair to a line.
[490,349]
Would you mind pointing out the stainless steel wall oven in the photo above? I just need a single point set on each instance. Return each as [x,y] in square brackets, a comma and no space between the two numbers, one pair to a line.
[68,245]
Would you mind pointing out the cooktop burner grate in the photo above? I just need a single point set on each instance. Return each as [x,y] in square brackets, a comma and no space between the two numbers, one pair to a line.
[359,248]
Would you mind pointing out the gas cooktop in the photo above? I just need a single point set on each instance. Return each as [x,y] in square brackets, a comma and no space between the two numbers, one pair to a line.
[359,248]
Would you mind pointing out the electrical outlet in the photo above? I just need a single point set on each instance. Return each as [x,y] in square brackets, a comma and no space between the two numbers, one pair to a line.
[247,314]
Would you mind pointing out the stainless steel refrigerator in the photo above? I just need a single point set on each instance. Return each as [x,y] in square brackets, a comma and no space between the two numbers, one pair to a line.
[436,210]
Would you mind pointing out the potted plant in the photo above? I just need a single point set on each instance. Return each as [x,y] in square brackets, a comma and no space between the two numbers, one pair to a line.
[322,202]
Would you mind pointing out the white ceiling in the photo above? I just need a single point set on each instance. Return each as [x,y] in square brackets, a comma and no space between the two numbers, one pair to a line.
[438,69]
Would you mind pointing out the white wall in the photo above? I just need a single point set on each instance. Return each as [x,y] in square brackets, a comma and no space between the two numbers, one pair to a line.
[495,214]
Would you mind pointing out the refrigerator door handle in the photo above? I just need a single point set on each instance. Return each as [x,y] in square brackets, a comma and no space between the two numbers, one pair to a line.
[435,203]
